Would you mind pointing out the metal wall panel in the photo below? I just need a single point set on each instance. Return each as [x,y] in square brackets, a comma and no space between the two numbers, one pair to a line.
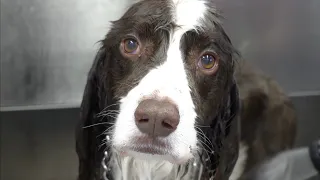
[47,46]
[282,37]
[38,145]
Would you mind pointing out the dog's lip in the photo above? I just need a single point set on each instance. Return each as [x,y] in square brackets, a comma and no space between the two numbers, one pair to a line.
[148,150]
[149,145]
[147,140]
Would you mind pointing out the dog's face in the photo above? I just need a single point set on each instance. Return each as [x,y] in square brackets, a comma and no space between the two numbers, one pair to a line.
[171,66]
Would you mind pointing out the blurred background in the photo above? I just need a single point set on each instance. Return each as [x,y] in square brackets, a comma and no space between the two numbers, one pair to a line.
[47,48]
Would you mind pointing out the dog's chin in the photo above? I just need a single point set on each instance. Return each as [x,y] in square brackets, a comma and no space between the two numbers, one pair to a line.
[157,157]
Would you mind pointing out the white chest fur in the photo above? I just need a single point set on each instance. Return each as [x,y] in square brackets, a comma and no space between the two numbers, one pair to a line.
[129,168]
[135,169]
[241,162]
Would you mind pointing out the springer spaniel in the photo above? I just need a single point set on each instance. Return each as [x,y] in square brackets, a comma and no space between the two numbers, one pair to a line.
[161,100]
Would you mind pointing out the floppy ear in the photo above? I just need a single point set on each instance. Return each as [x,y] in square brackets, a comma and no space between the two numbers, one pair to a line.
[95,97]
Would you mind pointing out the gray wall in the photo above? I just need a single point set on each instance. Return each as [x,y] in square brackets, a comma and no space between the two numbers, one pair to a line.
[282,37]
[47,46]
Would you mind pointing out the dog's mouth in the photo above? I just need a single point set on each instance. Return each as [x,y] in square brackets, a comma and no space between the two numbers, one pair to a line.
[151,148]
[147,145]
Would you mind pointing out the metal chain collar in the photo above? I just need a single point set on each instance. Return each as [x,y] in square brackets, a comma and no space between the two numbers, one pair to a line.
[104,166]
[104,162]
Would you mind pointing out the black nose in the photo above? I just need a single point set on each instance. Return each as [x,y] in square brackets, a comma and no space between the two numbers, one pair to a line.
[157,118]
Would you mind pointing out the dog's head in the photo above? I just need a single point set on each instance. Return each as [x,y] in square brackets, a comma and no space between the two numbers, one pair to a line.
[163,74]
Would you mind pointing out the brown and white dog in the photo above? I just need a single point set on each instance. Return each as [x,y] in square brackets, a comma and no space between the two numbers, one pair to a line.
[162,99]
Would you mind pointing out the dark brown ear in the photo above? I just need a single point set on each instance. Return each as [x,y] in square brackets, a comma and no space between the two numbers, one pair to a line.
[95,96]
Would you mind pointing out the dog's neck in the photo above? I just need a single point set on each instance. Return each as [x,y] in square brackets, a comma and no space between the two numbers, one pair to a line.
[130,168]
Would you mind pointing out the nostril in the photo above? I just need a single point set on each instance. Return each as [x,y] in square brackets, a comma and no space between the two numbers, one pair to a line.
[167,125]
[145,120]
[141,116]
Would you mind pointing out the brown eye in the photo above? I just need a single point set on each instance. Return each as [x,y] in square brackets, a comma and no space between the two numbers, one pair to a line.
[131,46]
[208,62]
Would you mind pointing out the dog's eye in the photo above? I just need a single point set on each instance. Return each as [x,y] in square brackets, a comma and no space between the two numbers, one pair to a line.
[131,46]
[208,62]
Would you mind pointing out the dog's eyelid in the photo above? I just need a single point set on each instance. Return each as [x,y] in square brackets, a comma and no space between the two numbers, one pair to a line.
[131,36]
[209,50]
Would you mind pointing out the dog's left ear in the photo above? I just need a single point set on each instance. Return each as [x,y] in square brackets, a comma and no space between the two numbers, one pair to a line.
[95,97]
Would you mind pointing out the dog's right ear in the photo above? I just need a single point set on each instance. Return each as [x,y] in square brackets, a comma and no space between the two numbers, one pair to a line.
[95,96]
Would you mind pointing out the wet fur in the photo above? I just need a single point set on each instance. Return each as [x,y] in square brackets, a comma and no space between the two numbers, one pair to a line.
[268,116]
[266,111]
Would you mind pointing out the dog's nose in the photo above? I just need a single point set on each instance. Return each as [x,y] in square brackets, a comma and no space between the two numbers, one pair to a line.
[156,117]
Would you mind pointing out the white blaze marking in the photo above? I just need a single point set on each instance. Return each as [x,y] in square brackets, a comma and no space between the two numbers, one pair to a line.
[169,80]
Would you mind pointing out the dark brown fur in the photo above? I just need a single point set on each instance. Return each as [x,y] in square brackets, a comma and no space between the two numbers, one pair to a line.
[268,117]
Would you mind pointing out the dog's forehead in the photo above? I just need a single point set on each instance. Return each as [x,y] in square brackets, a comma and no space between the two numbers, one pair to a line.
[175,16]
[184,14]
[188,13]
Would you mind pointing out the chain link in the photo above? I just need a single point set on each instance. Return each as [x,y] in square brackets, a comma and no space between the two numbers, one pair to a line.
[104,165]
[104,162]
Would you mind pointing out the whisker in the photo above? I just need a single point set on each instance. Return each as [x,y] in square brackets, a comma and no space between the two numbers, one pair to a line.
[125,84]
[96,124]
[204,136]
[105,132]
[206,145]
[106,143]
[108,111]
[111,105]
[109,115]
